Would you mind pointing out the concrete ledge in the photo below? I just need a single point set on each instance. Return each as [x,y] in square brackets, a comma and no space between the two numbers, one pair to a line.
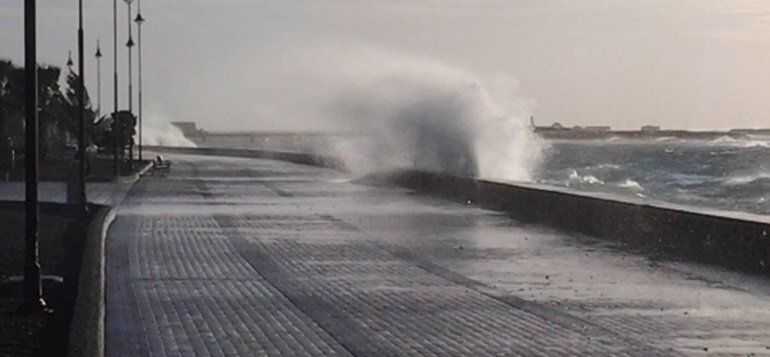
[732,240]
[87,326]
[297,158]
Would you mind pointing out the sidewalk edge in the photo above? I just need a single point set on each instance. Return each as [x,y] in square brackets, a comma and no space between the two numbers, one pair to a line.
[87,327]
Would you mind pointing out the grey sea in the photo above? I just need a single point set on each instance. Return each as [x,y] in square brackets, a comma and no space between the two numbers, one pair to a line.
[725,174]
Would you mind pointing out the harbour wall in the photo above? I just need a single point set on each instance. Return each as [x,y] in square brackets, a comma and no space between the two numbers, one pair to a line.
[732,240]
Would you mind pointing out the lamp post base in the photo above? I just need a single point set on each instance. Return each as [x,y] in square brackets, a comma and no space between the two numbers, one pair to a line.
[33,290]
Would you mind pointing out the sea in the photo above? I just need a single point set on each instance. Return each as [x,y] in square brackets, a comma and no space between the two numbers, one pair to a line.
[726,174]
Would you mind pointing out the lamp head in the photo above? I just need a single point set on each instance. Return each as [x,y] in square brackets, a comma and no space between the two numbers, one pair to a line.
[69,60]
[130,42]
[139,19]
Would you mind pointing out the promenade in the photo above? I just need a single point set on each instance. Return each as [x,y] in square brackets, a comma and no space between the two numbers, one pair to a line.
[232,256]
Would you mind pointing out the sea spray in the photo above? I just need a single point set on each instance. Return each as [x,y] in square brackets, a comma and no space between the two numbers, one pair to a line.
[159,131]
[424,115]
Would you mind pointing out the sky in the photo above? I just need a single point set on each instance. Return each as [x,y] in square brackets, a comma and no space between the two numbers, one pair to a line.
[276,64]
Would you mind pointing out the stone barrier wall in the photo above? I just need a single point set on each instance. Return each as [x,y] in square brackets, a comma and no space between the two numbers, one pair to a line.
[739,243]
[298,158]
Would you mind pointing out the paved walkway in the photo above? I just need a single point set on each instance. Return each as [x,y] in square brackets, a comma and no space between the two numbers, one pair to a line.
[231,256]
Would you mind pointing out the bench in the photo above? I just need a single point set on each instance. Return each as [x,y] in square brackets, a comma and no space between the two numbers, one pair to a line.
[161,165]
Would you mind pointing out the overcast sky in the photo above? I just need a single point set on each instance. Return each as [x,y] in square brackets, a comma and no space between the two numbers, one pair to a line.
[247,64]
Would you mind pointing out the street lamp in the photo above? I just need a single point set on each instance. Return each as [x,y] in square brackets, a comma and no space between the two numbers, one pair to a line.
[69,61]
[130,45]
[139,22]
[115,81]
[98,79]
[33,289]
[82,104]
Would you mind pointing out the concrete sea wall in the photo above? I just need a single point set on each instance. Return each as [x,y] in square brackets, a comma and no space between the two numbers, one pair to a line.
[735,241]
[298,158]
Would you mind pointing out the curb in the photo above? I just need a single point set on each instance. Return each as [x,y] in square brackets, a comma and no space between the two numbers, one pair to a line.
[87,327]
[131,179]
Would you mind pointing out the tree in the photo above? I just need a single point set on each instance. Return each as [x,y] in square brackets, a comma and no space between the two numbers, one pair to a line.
[59,114]
[11,99]
[71,106]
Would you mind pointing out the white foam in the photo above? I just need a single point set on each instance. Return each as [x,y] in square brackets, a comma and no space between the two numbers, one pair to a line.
[158,131]
[631,184]
[424,114]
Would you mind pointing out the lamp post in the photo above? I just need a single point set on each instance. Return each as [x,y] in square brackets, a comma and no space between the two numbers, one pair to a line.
[130,45]
[98,79]
[115,81]
[139,22]
[81,190]
[33,290]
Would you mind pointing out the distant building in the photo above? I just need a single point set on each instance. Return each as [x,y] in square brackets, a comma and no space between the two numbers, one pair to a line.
[577,127]
[188,128]
[557,126]
[601,129]
[650,128]
[751,131]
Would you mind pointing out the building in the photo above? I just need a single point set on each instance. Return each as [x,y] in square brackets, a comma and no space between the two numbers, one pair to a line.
[557,126]
[602,129]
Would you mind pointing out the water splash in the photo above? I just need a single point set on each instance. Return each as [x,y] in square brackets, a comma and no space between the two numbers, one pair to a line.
[158,131]
[425,115]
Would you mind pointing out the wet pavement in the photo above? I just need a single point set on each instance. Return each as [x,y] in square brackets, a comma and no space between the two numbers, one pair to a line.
[228,256]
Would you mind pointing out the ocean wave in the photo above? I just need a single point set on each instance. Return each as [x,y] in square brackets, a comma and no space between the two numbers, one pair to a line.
[608,166]
[750,142]
[576,178]
[631,184]
[747,179]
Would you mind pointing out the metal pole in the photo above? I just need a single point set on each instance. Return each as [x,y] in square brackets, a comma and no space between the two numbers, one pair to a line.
[115,81]
[82,100]
[139,21]
[33,290]
[130,45]
[98,79]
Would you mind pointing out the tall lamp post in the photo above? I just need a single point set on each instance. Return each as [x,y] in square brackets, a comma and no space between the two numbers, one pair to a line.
[33,290]
[116,161]
[82,104]
[98,79]
[130,45]
[139,22]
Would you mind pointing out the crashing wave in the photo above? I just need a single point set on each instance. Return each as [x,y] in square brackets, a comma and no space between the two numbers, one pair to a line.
[747,179]
[575,178]
[750,142]
[631,184]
